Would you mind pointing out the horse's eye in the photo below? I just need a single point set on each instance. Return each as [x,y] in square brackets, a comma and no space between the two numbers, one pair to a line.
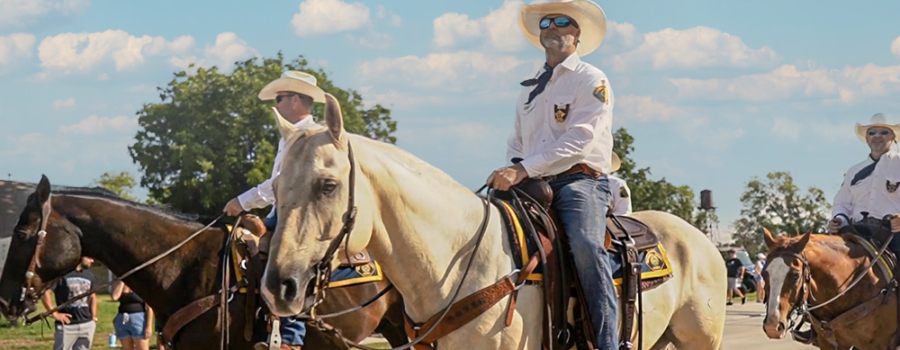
[328,187]
[21,234]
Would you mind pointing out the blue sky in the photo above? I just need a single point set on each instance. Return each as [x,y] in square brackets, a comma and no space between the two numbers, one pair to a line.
[714,92]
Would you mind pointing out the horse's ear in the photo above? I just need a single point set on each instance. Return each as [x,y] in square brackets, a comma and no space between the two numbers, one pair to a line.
[770,241]
[803,241]
[284,126]
[333,117]
[42,192]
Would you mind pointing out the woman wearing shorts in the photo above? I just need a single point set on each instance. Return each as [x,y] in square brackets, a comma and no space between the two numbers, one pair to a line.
[760,283]
[134,322]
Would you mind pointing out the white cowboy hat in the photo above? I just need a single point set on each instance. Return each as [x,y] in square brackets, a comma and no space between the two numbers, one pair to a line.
[587,14]
[878,120]
[293,81]
[616,163]
[760,256]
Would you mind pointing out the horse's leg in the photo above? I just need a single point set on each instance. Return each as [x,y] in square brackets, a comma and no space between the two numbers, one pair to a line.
[663,342]
[392,325]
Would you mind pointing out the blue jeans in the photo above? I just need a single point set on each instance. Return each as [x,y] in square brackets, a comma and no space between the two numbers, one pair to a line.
[292,332]
[580,203]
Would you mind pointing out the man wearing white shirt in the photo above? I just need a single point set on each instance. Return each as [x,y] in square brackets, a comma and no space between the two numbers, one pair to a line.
[294,94]
[871,186]
[619,193]
[563,135]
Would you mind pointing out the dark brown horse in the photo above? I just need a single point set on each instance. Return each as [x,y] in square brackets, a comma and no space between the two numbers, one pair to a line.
[819,271]
[122,235]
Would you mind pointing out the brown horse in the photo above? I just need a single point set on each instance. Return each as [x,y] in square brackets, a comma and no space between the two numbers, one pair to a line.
[814,270]
[123,234]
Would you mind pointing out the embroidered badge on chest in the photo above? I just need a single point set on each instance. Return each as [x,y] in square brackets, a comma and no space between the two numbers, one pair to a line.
[601,92]
[561,112]
[892,187]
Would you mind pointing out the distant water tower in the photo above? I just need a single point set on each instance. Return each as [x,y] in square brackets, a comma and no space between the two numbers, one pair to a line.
[707,206]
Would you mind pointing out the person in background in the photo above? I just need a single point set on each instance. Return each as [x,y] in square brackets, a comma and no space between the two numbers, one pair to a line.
[735,275]
[134,322]
[75,323]
[760,282]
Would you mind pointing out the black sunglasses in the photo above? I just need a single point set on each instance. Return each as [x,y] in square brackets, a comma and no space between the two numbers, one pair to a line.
[280,97]
[561,22]
[882,132]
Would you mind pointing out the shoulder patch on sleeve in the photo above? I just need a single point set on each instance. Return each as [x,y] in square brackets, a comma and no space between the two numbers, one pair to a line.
[623,192]
[601,92]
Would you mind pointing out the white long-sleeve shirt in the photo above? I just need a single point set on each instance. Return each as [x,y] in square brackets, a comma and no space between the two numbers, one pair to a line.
[873,194]
[620,196]
[263,194]
[550,142]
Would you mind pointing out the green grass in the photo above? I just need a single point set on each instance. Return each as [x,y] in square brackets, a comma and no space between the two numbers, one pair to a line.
[30,337]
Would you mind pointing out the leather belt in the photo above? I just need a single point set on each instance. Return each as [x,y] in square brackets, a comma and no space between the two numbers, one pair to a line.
[579,168]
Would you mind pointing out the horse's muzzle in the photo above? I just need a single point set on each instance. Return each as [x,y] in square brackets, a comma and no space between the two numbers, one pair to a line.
[774,327]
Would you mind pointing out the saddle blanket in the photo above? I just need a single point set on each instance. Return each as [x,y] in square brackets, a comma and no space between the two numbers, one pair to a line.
[654,262]
[343,276]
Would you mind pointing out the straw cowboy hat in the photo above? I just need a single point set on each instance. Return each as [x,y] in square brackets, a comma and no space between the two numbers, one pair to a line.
[588,15]
[616,163]
[878,120]
[293,81]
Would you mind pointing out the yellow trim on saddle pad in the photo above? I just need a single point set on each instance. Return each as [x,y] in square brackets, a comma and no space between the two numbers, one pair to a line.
[873,252]
[377,276]
[538,277]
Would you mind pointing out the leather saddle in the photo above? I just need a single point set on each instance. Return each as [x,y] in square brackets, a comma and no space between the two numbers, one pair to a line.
[625,236]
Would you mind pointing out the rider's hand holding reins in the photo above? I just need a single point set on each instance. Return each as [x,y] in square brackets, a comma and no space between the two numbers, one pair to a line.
[834,225]
[233,208]
[895,223]
[504,178]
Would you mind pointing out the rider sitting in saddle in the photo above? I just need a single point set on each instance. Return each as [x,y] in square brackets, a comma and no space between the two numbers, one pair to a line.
[294,93]
[871,186]
[563,135]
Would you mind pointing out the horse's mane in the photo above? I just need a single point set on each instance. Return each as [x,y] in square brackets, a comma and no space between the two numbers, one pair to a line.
[99,192]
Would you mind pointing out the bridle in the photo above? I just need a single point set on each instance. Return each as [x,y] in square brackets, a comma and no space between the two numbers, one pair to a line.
[800,306]
[29,290]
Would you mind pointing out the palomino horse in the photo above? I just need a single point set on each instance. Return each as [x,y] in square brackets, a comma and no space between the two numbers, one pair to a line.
[423,227]
[122,235]
[815,269]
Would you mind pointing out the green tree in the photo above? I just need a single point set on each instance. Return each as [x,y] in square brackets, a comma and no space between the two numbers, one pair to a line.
[211,138]
[648,194]
[776,203]
[120,184]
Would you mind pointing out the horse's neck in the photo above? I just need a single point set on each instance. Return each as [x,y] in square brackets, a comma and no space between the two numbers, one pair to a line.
[428,226]
[122,236]
[832,271]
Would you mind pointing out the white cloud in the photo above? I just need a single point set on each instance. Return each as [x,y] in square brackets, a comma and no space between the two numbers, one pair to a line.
[693,48]
[396,21]
[68,53]
[786,129]
[445,70]
[227,50]
[329,16]
[95,125]
[847,85]
[895,47]
[64,105]
[13,46]
[499,29]
[644,109]
[620,37]
[142,89]
[16,13]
